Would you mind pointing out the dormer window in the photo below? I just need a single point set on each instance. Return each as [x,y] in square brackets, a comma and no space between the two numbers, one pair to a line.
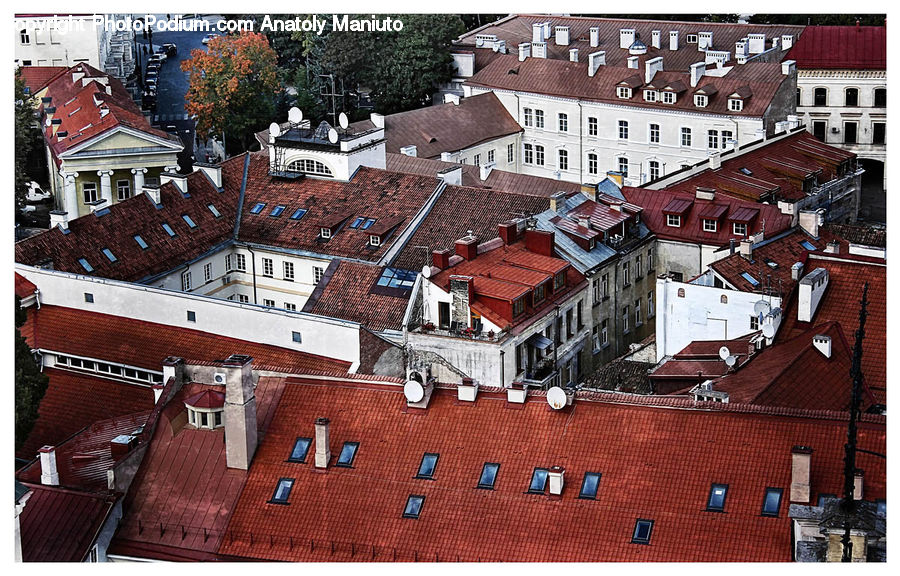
[700,100]
[668,97]
[374,240]
[518,307]
[710,225]
[205,409]
[735,104]
[691,38]
[539,293]
[650,95]
[673,220]
[559,281]
[623,92]
[740,228]
[325,233]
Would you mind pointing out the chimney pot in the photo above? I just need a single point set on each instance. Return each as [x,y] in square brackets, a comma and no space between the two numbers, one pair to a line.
[801,457]
[323,443]
[595,36]
[715,161]
[557,201]
[49,473]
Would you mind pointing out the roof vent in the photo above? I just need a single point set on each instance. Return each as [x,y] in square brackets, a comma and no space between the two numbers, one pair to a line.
[595,36]
[467,390]
[822,343]
[556,475]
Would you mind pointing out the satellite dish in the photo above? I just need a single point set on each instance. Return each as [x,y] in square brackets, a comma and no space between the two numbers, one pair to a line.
[724,352]
[768,330]
[413,391]
[426,271]
[274,129]
[761,307]
[333,136]
[295,115]
[556,398]
[342,121]
[731,361]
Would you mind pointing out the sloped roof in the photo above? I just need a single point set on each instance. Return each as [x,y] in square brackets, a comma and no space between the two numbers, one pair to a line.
[36,77]
[446,127]
[649,470]
[24,287]
[841,48]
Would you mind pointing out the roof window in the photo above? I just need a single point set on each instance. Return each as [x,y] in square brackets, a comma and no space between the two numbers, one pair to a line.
[109,255]
[191,224]
[168,229]
[298,213]
[282,491]
[140,241]
[538,481]
[770,263]
[426,468]
[642,530]
[397,278]
[358,222]
[276,211]
[716,502]
[258,207]
[300,450]
[348,454]
[589,485]
[413,506]
[368,223]
[214,211]
[746,276]
[746,171]
[808,245]
[488,475]
[771,502]
[84,264]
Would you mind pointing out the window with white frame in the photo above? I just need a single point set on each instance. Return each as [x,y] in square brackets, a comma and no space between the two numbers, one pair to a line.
[649,260]
[268,267]
[637,313]
[207,272]
[739,228]
[529,117]
[309,166]
[89,190]
[241,262]
[490,156]
[626,273]
[735,104]
[24,36]
[604,332]
[623,167]
[654,133]
[289,306]
[538,155]
[710,225]
[243,298]
[592,126]
[268,303]
[626,314]
[623,92]
[529,154]
[562,160]
[650,95]
[123,189]
[318,272]
[597,294]
[592,163]
[700,100]
[185,281]
[654,169]
[538,118]
[638,269]
[685,137]
[673,220]
[510,153]
[289,271]
[754,322]
[477,160]
[650,304]
[712,139]
[374,240]
[623,129]
[563,122]
[325,233]
[726,136]
[668,97]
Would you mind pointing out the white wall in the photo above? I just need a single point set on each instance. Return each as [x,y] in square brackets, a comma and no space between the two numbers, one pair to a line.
[53,48]
[328,337]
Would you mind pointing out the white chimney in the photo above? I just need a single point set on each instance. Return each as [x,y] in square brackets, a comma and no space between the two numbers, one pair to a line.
[377,119]
[788,67]
[556,475]
[323,443]
[741,48]
[467,391]
[810,220]
[212,170]
[801,457]
[524,51]
[715,160]
[152,192]
[557,201]
[98,205]
[673,40]
[655,36]
[595,61]
[626,37]
[858,484]
[633,62]
[822,343]
[702,193]
[179,180]
[796,271]
[775,40]
[651,67]
[59,218]
[833,247]
[811,289]
[573,54]
[757,43]
[595,36]
[408,150]
[539,49]
[49,473]
[698,69]
[537,32]
[704,41]
[787,40]
[451,176]
[562,35]
[240,412]
[451,98]
[484,170]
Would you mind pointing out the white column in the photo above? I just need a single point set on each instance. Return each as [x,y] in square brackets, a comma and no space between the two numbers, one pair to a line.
[173,169]
[105,186]
[71,196]
[138,179]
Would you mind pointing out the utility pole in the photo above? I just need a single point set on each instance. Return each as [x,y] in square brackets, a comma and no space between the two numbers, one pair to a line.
[848,505]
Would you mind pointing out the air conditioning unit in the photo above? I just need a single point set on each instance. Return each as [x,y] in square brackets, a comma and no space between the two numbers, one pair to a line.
[226,280]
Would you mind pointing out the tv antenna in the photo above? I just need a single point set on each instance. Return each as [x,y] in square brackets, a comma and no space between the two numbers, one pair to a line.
[328,91]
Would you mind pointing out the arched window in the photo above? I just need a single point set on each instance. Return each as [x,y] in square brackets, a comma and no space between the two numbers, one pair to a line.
[308,166]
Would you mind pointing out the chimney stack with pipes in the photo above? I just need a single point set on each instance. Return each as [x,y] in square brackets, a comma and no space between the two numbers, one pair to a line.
[323,443]
[626,37]
[562,35]
[49,473]
[240,412]
[655,36]
[524,51]
[467,247]
[796,271]
[557,201]
[822,343]
[801,457]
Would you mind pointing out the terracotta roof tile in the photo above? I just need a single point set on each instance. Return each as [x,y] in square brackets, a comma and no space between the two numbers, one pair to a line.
[24,287]
[783,250]
[36,77]
[841,48]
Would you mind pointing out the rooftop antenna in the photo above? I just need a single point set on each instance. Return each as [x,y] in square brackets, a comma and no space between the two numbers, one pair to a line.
[333,94]
[848,505]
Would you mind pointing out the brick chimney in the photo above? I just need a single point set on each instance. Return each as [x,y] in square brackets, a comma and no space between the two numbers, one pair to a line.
[809,294]
[539,242]
[240,412]
[557,201]
[49,473]
[796,270]
[788,67]
[811,220]
[441,259]
[556,475]
[467,247]
[509,232]
[633,62]
[801,457]
[323,443]
[626,37]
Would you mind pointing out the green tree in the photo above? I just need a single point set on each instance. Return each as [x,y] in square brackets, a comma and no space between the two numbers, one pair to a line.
[31,384]
[28,139]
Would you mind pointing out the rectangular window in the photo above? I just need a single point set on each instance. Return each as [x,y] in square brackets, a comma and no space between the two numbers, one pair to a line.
[298,213]
[597,295]
[716,502]
[276,211]
[650,95]
[374,240]
[880,100]
[289,306]
[592,163]
[241,262]
[642,531]
[850,132]
[510,153]
[700,100]
[207,272]
[185,281]
[638,269]
[686,137]
[668,97]
[228,263]
[623,167]
[726,136]
[214,210]
[712,139]
[282,491]
[563,161]
[318,272]
[605,285]
[529,117]
[654,169]
[710,225]
[269,303]
[623,92]
[518,307]
[490,156]
[296,337]
[735,104]
[347,455]
[623,130]
[188,221]
[538,118]
[123,189]
[428,465]
[673,220]
[819,129]
[258,207]
[589,485]
[820,97]
[878,132]
[168,229]
[289,271]
[626,314]
[563,122]
[88,297]
[649,260]
[592,126]
[538,155]
[538,481]
[754,322]
[637,313]
[109,255]
[529,154]
[649,304]
[268,267]
[413,506]
[191,316]
[771,502]
[89,189]
[654,133]
[243,298]
[739,228]
[140,241]
[488,475]
[477,160]
[626,273]
[301,448]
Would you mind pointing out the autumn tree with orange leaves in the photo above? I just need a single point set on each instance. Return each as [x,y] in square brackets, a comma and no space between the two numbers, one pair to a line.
[233,86]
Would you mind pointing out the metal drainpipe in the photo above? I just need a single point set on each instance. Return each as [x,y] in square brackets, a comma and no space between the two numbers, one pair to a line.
[253,264]
[615,309]
[502,376]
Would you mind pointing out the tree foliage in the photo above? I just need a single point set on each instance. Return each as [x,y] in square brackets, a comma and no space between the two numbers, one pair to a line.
[31,384]
[28,138]
[233,86]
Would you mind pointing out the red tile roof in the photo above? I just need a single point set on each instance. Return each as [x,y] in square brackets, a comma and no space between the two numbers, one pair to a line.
[74,401]
[147,344]
[36,77]
[570,80]
[24,287]
[184,488]
[648,471]
[447,127]
[841,48]
[59,525]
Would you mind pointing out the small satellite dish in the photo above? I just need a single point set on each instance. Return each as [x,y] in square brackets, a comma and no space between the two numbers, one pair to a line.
[761,307]
[731,361]
[295,115]
[333,136]
[556,398]
[413,391]
[768,330]
[274,129]
[724,352]
[343,121]
[426,271]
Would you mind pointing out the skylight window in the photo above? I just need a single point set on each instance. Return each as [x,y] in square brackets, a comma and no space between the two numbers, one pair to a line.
[426,468]
[368,223]
[396,278]
[538,481]
[276,211]
[413,506]
[808,245]
[772,502]
[488,475]
[84,264]
[642,531]
[746,171]
[358,222]
[300,450]
[298,213]
[188,220]
[282,491]
[717,495]
[770,263]
[214,211]
[258,207]
[168,229]
[753,281]
[109,255]
[589,485]
[348,454]
[140,241]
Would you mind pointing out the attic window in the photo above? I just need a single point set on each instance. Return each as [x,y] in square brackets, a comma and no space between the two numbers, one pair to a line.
[770,263]
[298,213]
[538,481]
[642,531]
[735,104]
[589,485]
[282,491]
[276,211]
[426,468]
[140,241]
[623,92]
[650,95]
[74,112]
[374,240]
[368,223]
[258,207]
[191,224]
[808,245]
[397,278]
[300,450]
[325,232]
[668,97]
[413,506]
[673,220]
[168,229]
[348,454]
[771,502]
[108,253]
[710,225]
[701,100]
[488,475]
[84,264]
[739,228]
[753,281]
[691,38]
[716,502]
[214,211]
[358,222]
[746,171]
